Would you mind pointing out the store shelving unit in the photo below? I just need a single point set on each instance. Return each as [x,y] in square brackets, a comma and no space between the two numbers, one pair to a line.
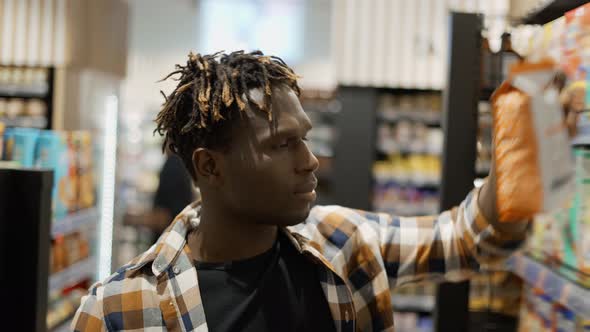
[413,303]
[559,288]
[323,108]
[355,183]
[75,222]
[73,274]
[551,10]
[45,93]
[25,213]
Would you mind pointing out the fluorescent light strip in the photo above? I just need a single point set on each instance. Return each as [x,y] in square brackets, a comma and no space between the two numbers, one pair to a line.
[108,188]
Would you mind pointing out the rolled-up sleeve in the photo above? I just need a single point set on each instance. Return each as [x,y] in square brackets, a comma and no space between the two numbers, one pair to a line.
[450,245]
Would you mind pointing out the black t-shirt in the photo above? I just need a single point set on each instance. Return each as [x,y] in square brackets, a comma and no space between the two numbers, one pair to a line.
[278,290]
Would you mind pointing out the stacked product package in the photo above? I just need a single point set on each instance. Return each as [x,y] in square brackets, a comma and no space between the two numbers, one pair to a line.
[540,314]
[563,235]
[68,154]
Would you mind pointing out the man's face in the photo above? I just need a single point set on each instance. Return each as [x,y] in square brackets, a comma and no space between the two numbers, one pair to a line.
[269,170]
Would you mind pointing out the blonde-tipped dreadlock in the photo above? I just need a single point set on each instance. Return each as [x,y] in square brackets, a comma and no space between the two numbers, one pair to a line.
[210,89]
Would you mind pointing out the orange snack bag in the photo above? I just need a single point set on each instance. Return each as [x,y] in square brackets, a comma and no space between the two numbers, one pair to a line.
[534,170]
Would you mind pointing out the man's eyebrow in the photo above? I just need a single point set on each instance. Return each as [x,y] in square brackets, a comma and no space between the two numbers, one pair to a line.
[287,131]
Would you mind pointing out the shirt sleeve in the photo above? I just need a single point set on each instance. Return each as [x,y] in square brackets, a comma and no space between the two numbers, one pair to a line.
[450,245]
[90,316]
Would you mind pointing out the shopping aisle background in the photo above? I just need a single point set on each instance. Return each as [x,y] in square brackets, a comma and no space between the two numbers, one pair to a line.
[89,71]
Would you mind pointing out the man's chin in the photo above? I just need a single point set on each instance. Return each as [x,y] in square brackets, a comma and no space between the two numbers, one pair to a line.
[297,217]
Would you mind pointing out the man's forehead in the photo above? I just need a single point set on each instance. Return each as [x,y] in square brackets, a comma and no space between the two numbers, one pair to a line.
[286,109]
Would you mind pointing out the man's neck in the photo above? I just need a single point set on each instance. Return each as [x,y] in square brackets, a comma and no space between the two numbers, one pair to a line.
[222,238]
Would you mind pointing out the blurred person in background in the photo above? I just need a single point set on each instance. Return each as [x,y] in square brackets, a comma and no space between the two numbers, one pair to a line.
[174,192]
[252,254]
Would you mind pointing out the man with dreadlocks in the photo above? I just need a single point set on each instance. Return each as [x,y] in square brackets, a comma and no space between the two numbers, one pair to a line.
[253,255]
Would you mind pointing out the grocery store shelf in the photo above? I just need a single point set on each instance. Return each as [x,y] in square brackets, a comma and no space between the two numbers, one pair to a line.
[432,119]
[550,11]
[73,274]
[413,303]
[409,183]
[29,122]
[17,92]
[560,289]
[74,222]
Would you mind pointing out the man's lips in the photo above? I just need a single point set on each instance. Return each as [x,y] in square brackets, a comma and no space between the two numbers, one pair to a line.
[307,187]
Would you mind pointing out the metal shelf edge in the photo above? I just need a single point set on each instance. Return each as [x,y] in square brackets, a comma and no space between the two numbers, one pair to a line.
[560,289]
[74,221]
[73,274]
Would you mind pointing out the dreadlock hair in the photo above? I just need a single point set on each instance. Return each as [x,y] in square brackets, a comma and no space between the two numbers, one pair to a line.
[211,90]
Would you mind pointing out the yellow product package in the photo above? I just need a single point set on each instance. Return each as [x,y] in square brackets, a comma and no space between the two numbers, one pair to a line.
[534,171]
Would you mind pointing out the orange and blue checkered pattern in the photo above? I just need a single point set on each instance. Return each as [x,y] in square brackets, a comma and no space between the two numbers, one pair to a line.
[359,256]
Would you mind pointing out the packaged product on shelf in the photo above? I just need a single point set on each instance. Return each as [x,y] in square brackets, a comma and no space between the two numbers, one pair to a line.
[2,128]
[3,106]
[25,141]
[532,149]
[580,220]
[15,108]
[73,175]
[543,306]
[576,42]
[8,144]
[52,153]
[36,107]
[60,255]
[582,325]
[86,187]
[72,243]
[565,319]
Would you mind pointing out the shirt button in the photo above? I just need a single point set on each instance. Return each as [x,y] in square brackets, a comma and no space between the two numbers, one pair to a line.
[176,270]
[346,316]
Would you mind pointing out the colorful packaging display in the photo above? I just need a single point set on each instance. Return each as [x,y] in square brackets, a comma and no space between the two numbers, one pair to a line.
[68,250]
[25,140]
[579,228]
[52,154]
[532,149]
[85,169]
[2,128]
[540,314]
[68,154]
[8,144]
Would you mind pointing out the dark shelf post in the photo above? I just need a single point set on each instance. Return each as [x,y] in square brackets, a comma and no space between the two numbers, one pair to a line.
[25,217]
[355,147]
[460,127]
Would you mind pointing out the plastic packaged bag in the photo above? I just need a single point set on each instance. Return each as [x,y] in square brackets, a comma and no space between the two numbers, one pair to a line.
[534,170]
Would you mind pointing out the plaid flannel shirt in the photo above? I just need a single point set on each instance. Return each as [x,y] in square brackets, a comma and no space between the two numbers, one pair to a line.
[359,256]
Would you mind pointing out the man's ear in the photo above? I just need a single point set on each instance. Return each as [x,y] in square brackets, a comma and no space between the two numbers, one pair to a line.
[206,164]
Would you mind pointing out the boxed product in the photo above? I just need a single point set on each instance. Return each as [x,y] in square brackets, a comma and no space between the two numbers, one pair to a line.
[25,141]
[580,221]
[565,319]
[85,169]
[8,144]
[2,128]
[72,171]
[52,153]
[582,325]
[533,167]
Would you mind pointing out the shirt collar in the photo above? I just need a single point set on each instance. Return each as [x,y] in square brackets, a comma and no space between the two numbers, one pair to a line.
[173,240]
